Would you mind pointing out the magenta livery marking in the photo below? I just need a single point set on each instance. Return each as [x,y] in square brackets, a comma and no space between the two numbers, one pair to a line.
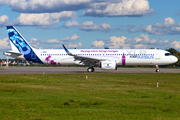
[48,59]
[123,59]
[52,62]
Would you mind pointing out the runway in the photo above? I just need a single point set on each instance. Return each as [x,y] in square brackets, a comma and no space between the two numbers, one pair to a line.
[19,70]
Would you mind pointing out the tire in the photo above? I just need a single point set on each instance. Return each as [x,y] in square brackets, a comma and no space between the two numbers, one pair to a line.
[90,69]
[157,70]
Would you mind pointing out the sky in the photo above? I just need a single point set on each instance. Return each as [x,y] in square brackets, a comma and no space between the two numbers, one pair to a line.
[92,24]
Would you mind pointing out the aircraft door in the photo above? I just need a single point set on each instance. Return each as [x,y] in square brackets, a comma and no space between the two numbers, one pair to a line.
[157,54]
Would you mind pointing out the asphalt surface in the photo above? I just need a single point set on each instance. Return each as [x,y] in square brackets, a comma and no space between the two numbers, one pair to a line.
[8,70]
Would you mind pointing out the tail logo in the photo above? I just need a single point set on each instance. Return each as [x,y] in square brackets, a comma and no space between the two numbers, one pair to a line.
[19,42]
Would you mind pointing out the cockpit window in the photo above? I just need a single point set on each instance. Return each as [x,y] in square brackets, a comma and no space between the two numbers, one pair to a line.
[167,54]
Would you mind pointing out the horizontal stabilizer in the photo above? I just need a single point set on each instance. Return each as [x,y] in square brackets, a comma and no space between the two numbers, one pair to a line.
[14,54]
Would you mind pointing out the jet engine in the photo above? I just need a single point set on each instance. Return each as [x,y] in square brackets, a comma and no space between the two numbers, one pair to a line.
[108,65]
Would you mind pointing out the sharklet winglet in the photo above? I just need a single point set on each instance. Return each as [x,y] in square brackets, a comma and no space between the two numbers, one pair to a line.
[67,51]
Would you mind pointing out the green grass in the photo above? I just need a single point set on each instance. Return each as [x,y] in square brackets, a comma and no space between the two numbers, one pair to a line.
[102,96]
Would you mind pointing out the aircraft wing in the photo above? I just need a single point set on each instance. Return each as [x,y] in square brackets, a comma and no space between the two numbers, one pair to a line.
[83,59]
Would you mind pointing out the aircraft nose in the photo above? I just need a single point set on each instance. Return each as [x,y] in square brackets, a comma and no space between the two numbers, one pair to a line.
[175,59]
[172,59]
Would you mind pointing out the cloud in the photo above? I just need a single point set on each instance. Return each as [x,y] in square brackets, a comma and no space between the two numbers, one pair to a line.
[88,26]
[72,38]
[142,39]
[98,44]
[69,45]
[62,40]
[105,26]
[43,19]
[140,46]
[167,22]
[97,8]
[71,24]
[168,27]
[117,42]
[176,44]
[78,45]
[4,44]
[45,6]
[134,8]
[34,43]
[53,41]
[4,19]
[141,42]
[130,26]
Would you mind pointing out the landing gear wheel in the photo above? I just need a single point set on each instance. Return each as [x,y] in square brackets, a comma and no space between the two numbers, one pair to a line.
[157,70]
[90,69]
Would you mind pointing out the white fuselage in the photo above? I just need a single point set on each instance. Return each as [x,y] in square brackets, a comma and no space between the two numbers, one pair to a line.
[121,56]
[107,59]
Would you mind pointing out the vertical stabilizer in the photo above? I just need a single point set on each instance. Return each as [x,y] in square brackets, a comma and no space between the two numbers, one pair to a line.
[18,43]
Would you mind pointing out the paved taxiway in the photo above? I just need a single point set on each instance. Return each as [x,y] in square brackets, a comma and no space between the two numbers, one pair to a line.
[81,70]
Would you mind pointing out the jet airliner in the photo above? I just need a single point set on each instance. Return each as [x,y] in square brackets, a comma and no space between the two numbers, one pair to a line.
[107,59]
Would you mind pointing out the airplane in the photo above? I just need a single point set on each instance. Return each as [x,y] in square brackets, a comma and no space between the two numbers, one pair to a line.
[106,59]
[14,63]
[24,62]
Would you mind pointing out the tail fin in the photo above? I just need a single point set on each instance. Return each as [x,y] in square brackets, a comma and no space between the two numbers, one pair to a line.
[19,43]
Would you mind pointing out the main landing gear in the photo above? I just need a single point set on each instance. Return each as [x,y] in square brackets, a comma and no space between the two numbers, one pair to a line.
[90,69]
[157,69]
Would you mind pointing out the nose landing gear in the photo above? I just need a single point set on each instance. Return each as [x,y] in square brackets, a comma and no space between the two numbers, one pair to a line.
[157,69]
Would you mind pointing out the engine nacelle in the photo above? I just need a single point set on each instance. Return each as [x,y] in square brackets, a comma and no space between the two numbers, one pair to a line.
[108,65]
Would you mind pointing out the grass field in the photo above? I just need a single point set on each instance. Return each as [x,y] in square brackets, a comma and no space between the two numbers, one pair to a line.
[103,96]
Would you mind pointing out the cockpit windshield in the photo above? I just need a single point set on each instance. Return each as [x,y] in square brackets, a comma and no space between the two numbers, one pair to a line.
[168,54]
